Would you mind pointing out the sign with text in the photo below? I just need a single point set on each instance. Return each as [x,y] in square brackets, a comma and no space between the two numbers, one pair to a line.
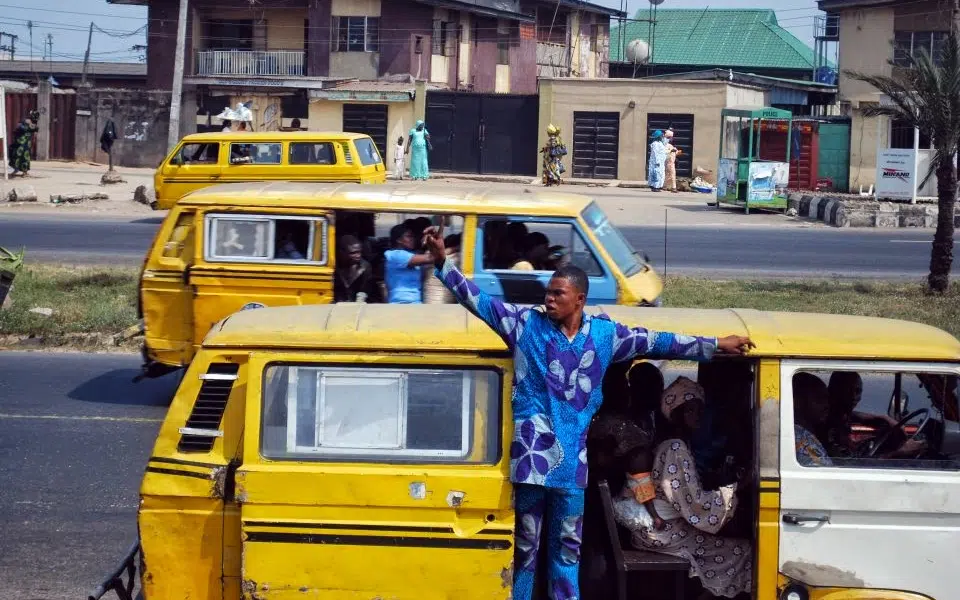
[896,174]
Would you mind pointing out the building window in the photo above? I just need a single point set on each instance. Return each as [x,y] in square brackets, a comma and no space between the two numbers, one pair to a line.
[594,37]
[357,34]
[229,35]
[912,43]
[503,43]
[551,25]
[901,136]
[441,37]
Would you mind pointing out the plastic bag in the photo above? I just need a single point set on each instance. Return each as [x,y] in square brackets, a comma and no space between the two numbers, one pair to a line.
[630,513]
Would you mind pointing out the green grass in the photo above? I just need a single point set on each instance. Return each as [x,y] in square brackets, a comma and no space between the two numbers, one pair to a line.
[83,299]
[102,300]
[906,301]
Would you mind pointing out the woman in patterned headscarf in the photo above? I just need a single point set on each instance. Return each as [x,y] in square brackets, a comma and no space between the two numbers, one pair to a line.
[693,516]
[553,151]
[20,147]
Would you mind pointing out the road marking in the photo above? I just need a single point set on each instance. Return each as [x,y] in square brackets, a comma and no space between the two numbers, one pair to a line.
[911,242]
[81,418]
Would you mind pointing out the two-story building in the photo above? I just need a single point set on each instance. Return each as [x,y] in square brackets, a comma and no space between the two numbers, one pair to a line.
[872,34]
[352,64]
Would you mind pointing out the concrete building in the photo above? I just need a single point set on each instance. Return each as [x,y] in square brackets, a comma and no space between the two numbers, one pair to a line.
[872,33]
[608,122]
[351,64]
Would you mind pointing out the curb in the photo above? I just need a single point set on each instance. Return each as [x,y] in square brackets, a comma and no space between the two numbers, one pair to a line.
[535,181]
[885,215]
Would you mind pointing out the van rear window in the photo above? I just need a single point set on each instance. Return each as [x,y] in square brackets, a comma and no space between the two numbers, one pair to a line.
[312,153]
[381,414]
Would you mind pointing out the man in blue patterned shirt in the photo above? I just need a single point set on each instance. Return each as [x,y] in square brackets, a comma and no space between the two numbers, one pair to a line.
[560,356]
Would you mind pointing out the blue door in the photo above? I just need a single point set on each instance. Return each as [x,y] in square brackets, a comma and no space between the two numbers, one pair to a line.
[510,262]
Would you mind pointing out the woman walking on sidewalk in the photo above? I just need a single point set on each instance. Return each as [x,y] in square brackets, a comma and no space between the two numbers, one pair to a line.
[21,145]
[418,144]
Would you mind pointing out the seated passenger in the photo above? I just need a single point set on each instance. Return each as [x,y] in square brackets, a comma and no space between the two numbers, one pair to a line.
[811,406]
[557,257]
[354,276]
[692,515]
[534,253]
[402,267]
[646,389]
[287,248]
[845,391]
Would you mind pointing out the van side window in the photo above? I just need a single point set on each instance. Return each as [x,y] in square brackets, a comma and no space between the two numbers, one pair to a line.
[200,153]
[178,245]
[536,246]
[254,238]
[876,419]
[256,154]
[385,414]
[312,153]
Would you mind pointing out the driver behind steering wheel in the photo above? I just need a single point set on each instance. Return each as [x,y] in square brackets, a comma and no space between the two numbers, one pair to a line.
[846,390]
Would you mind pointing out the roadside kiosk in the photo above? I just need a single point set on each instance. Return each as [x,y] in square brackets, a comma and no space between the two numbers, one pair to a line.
[750,172]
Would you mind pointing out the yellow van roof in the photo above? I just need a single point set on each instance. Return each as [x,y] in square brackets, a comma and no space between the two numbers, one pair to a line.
[449,327]
[219,136]
[386,197]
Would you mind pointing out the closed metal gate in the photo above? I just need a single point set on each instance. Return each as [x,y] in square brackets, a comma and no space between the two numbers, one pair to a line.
[483,133]
[63,111]
[682,125]
[370,119]
[18,107]
[596,144]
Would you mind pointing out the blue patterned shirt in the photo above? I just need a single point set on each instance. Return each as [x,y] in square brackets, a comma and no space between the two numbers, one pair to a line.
[556,383]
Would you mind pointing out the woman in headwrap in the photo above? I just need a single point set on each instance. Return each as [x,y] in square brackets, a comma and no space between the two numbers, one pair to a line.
[692,515]
[418,143]
[671,163]
[552,153]
[21,145]
[658,159]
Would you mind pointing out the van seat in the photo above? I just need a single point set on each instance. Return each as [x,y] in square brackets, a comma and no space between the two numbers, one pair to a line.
[637,560]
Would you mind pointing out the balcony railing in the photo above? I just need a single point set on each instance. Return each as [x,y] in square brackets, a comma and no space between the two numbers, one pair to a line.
[249,63]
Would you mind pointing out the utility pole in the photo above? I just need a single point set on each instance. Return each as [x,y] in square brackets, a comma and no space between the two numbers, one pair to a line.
[12,47]
[50,52]
[30,29]
[86,57]
[176,96]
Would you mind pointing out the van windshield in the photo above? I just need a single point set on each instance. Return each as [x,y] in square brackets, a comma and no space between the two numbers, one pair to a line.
[368,152]
[623,254]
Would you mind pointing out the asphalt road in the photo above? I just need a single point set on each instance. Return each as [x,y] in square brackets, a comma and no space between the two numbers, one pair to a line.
[711,251]
[76,437]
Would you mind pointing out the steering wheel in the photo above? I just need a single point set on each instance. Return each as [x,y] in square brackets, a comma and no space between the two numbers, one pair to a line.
[886,435]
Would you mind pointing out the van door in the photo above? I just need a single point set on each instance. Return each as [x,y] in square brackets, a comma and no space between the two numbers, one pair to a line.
[253,260]
[375,476]
[253,161]
[165,296]
[193,166]
[500,243]
[854,513]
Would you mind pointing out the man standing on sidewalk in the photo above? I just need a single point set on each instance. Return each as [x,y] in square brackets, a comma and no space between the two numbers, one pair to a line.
[560,356]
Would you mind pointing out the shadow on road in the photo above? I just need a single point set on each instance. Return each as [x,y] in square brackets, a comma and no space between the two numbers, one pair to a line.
[117,387]
[148,221]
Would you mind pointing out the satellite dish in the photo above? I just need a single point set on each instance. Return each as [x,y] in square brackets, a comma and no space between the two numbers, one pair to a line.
[656,2]
[638,52]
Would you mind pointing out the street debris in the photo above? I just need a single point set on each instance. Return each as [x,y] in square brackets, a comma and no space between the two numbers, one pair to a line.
[77,198]
[46,312]
[111,177]
[22,193]
[143,195]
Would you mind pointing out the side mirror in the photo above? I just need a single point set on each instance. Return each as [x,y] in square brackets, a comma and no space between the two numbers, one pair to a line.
[898,405]
[178,159]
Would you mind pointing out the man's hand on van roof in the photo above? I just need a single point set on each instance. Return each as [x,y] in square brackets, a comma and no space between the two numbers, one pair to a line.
[735,344]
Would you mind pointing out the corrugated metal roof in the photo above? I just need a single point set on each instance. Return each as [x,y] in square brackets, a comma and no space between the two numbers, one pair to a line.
[716,37]
[70,67]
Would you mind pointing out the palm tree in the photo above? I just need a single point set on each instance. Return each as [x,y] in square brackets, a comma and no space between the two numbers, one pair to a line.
[925,94]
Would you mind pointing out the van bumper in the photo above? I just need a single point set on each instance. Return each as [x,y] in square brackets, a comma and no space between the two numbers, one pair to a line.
[114,582]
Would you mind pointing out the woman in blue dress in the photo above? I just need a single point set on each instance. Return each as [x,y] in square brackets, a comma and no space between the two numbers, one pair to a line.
[419,142]
[658,159]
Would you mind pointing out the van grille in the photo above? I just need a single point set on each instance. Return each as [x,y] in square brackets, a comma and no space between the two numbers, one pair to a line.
[209,407]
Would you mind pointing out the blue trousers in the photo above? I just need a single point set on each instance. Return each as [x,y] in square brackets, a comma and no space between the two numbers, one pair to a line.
[560,512]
